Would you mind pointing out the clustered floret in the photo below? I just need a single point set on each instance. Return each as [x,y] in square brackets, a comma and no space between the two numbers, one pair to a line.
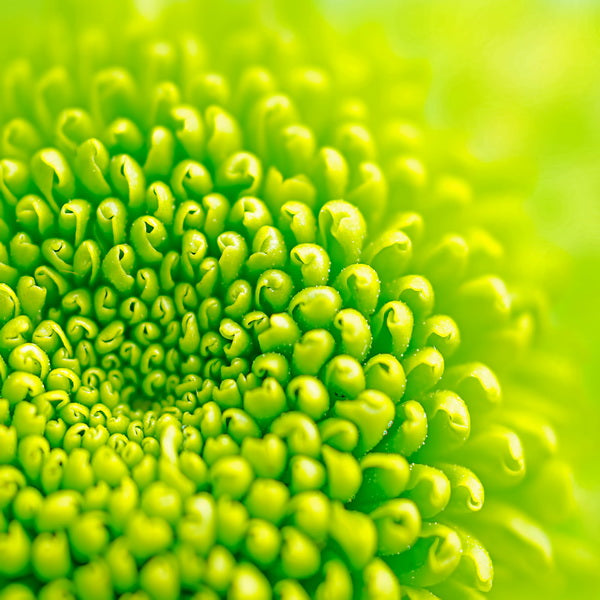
[230,349]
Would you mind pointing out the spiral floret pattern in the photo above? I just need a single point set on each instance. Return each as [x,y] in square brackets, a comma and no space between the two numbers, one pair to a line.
[246,323]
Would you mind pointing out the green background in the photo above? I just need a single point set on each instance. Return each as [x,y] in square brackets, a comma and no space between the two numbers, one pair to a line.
[520,81]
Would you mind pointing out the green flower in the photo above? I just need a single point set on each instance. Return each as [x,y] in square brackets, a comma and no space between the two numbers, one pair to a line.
[254,339]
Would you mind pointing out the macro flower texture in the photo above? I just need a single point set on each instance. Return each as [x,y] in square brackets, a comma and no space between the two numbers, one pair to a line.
[258,334]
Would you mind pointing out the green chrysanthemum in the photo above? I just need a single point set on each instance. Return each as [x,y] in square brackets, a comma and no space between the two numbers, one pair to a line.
[250,308]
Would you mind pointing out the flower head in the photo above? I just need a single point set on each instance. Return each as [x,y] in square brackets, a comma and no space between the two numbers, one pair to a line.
[253,334]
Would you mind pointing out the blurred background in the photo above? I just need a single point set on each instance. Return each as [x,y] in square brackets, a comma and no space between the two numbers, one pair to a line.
[520,79]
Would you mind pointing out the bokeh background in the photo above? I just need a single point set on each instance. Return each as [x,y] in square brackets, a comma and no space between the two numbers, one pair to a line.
[519,81]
